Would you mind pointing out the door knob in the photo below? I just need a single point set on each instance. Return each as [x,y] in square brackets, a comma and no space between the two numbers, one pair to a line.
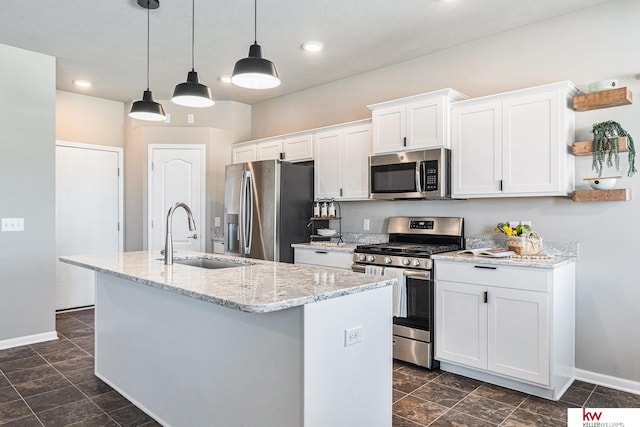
[195,236]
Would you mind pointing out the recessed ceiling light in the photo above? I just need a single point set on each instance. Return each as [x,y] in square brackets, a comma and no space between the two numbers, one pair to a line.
[82,83]
[312,46]
[225,78]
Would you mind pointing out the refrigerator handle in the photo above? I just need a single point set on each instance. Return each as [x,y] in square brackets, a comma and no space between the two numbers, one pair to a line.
[242,229]
[249,214]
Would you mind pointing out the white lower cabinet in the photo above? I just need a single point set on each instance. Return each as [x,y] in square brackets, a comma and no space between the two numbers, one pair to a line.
[508,325]
[323,258]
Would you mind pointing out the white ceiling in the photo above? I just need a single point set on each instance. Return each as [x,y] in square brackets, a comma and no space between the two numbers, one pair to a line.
[105,41]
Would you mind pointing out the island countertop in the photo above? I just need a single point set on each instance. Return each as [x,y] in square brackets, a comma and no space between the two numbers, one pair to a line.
[256,286]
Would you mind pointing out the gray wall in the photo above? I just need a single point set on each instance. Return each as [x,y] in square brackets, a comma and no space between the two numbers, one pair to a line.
[594,44]
[27,150]
[217,127]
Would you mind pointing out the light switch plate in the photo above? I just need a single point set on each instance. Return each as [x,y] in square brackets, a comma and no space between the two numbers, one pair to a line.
[12,224]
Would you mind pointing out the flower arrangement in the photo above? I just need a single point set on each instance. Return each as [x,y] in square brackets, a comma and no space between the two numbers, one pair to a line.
[519,230]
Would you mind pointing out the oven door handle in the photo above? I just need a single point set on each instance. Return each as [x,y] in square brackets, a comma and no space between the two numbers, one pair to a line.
[358,268]
[418,275]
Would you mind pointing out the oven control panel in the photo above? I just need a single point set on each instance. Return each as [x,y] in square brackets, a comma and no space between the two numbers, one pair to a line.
[421,225]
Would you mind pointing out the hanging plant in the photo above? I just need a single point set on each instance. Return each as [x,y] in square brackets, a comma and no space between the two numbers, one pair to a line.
[606,146]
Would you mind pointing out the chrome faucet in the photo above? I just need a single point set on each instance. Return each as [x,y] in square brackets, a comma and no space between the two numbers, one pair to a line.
[168,239]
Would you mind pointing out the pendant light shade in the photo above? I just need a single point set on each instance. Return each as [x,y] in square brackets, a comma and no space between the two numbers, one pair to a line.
[255,72]
[192,93]
[147,109]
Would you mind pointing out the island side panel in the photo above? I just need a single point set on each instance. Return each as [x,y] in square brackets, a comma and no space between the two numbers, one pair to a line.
[349,385]
[191,363]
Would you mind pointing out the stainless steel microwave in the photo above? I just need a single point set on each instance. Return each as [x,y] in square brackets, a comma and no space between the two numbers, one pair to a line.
[422,174]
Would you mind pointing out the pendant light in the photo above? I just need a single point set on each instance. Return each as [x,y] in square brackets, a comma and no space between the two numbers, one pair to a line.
[147,108]
[192,93]
[255,72]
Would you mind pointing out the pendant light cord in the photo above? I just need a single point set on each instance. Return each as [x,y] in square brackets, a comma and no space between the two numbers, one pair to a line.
[255,21]
[148,14]
[193,37]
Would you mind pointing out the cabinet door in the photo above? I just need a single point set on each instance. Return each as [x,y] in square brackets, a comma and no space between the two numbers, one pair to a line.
[461,324]
[328,165]
[518,336]
[389,129]
[476,142]
[356,149]
[532,147]
[269,150]
[298,147]
[243,154]
[425,124]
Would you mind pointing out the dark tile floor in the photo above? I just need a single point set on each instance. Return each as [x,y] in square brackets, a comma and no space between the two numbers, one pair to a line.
[438,399]
[52,384]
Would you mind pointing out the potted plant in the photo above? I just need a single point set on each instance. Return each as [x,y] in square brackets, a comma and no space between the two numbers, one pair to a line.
[606,146]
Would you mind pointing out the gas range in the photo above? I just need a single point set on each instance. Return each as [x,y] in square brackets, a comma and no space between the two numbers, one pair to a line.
[407,256]
[412,241]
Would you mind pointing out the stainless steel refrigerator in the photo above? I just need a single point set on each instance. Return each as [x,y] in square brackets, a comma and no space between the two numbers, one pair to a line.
[267,207]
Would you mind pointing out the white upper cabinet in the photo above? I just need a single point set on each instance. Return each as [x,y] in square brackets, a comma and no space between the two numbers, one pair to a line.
[269,149]
[342,161]
[416,122]
[242,153]
[298,147]
[514,144]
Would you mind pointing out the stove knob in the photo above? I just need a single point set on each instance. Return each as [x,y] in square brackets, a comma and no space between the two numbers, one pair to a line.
[371,258]
[416,263]
[406,261]
[362,257]
[387,260]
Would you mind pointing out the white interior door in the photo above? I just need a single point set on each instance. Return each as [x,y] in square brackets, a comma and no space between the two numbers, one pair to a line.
[176,174]
[88,214]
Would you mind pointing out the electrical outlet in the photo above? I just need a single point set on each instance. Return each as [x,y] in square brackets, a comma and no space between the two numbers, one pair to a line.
[352,336]
[12,224]
[365,224]
[190,118]
[216,221]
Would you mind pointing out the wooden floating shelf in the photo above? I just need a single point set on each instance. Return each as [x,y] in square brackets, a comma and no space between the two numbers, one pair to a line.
[615,195]
[585,148]
[603,99]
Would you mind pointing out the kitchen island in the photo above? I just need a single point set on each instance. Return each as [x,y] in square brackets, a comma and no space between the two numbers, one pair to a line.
[258,344]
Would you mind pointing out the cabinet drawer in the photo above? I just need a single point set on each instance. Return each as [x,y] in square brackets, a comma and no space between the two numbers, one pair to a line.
[323,258]
[494,275]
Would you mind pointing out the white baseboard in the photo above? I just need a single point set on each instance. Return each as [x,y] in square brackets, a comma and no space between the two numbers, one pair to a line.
[29,339]
[608,381]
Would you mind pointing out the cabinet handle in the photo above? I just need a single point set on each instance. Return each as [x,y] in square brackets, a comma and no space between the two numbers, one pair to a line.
[500,185]
[322,252]
[404,141]
[485,297]
[485,267]
[282,156]
[341,192]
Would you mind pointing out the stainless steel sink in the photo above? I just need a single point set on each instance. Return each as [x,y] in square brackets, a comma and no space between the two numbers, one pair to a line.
[209,263]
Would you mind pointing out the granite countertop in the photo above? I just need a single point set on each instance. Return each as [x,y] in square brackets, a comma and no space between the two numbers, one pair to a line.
[550,263]
[258,287]
[327,246]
